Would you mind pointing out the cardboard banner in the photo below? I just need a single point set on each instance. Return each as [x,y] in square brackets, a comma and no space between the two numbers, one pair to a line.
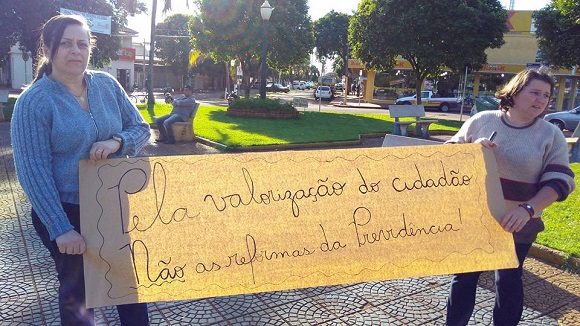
[185,227]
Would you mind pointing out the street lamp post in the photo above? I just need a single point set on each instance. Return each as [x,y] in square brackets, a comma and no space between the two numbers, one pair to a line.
[266,12]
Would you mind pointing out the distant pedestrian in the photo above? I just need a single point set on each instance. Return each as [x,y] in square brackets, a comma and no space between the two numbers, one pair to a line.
[182,109]
[532,159]
[69,114]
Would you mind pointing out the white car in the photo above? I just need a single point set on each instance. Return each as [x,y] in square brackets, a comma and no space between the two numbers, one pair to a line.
[298,85]
[323,92]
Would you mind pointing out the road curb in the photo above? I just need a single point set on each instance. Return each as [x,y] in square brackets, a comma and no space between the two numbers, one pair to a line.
[555,257]
[363,106]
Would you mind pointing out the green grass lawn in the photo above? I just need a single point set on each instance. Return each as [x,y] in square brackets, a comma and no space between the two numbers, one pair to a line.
[562,218]
[562,221]
[211,122]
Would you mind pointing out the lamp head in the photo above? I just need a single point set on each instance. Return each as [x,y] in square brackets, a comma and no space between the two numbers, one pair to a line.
[266,10]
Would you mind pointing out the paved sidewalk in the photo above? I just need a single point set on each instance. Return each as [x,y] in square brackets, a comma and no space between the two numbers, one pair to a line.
[28,284]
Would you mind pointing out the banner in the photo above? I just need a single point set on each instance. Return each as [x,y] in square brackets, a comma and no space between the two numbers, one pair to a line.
[185,227]
[97,23]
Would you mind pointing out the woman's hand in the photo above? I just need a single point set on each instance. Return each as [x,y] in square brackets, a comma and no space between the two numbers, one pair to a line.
[485,142]
[102,149]
[71,243]
[515,220]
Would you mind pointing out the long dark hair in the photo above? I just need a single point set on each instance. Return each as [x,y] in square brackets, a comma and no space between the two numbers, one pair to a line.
[52,32]
[520,81]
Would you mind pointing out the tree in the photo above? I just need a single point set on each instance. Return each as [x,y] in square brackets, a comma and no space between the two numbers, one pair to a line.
[558,33]
[431,35]
[174,47]
[331,37]
[166,8]
[232,29]
[131,6]
[21,25]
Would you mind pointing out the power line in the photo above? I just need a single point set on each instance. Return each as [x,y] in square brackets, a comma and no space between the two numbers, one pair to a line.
[173,36]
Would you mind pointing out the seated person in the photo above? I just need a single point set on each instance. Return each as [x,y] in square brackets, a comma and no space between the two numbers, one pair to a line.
[182,109]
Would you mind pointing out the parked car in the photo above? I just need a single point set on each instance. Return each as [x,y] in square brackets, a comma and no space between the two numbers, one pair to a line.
[298,85]
[276,88]
[565,119]
[323,92]
[338,86]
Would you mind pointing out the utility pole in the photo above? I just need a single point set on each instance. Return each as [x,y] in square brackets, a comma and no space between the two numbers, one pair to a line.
[151,101]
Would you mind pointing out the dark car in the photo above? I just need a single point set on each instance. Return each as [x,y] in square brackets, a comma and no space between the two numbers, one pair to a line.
[276,88]
[565,119]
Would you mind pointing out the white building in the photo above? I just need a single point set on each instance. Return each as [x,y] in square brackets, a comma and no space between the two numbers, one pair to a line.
[17,71]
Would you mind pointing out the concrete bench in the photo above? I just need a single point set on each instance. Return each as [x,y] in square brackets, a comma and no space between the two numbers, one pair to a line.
[410,111]
[183,131]
[573,149]
[3,99]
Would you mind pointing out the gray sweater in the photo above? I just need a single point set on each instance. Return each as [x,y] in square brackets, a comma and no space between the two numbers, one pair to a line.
[51,133]
[183,106]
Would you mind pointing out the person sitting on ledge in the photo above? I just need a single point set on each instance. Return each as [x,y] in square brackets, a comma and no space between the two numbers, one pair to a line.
[182,109]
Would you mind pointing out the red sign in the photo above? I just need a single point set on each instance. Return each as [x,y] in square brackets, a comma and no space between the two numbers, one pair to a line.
[127,54]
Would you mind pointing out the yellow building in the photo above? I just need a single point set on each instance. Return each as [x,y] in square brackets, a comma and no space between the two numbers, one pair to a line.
[519,52]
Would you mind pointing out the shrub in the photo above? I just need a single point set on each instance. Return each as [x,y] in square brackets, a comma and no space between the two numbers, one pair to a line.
[8,108]
[261,105]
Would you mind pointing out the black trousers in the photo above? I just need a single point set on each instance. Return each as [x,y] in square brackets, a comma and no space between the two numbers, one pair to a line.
[71,292]
[509,294]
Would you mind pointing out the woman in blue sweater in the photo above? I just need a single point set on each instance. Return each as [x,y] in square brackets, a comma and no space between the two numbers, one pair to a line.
[68,114]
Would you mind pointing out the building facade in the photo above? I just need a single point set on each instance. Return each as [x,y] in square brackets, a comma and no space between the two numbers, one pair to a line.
[519,52]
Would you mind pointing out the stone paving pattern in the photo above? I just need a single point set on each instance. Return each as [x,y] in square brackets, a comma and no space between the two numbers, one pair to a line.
[28,284]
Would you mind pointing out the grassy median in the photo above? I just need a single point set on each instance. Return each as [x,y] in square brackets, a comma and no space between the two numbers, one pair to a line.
[212,122]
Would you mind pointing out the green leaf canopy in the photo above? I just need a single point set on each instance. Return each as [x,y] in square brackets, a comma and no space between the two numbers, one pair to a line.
[431,35]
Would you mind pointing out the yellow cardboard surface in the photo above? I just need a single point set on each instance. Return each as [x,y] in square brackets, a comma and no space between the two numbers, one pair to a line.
[184,227]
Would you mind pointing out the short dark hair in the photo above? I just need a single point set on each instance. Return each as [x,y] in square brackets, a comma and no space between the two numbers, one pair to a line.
[507,92]
[188,87]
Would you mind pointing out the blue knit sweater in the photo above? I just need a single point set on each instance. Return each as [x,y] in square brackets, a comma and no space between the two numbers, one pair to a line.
[51,133]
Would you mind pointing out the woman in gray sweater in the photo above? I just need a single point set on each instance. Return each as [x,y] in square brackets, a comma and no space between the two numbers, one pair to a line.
[68,114]
[532,159]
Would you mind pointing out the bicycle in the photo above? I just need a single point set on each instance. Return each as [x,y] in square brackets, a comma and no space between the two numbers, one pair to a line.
[139,97]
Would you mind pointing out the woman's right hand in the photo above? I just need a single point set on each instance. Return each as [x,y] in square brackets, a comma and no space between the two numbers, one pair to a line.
[485,142]
[71,243]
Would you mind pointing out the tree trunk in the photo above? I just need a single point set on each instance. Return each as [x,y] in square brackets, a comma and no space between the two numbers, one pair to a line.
[418,87]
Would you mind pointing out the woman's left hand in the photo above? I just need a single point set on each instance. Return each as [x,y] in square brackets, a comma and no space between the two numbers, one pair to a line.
[102,149]
[515,220]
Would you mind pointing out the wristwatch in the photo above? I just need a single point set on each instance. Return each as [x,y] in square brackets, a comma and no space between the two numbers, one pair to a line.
[529,208]
[118,140]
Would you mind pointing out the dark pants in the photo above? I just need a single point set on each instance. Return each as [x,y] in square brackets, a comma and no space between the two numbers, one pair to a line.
[164,126]
[509,294]
[71,292]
